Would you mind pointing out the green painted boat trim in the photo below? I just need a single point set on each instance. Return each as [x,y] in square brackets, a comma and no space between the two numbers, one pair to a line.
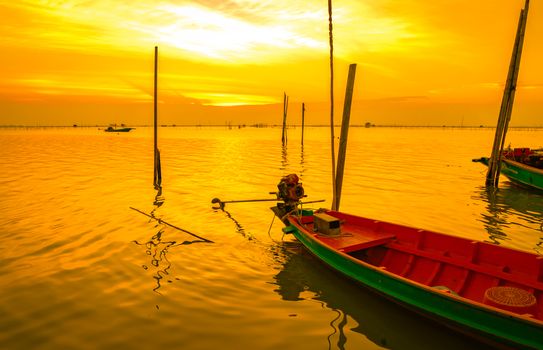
[523,174]
[519,173]
[453,311]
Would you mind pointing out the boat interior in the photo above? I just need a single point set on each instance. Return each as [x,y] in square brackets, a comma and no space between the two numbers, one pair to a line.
[527,156]
[505,278]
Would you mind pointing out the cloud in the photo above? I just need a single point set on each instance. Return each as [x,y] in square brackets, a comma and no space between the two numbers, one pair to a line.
[231,99]
[400,99]
[230,31]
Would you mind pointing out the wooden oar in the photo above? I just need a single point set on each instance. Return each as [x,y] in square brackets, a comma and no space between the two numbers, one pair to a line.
[178,228]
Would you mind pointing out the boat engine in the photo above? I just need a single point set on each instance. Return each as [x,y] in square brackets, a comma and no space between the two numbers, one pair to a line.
[290,190]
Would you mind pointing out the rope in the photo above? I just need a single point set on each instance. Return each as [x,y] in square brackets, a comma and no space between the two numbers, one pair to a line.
[160,221]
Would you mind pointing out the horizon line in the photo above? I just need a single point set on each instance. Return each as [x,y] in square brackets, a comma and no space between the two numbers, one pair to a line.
[265,125]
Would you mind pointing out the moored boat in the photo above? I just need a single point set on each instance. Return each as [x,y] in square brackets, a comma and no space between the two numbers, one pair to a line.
[112,129]
[488,291]
[523,166]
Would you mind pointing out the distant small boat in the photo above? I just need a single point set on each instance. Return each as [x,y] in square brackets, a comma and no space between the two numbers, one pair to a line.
[484,290]
[523,166]
[112,129]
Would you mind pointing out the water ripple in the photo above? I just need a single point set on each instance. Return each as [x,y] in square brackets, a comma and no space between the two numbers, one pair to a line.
[79,269]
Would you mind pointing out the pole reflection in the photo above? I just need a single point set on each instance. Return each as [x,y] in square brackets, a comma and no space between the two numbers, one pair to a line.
[284,157]
[510,206]
[302,162]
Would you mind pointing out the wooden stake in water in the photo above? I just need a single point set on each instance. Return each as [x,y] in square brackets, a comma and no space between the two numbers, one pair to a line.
[344,133]
[285,108]
[303,115]
[513,88]
[493,174]
[157,178]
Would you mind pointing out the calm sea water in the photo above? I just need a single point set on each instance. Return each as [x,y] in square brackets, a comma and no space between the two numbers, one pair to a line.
[80,269]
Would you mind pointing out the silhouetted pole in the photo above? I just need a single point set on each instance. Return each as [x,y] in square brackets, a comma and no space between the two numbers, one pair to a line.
[493,174]
[303,116]
[332,137]
[155,147]
[286,128]
[344,134]
[157,177]
[285,108]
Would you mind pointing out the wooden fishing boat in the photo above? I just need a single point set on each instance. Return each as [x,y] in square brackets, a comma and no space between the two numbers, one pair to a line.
[488,291]
[522,166]
[485,290]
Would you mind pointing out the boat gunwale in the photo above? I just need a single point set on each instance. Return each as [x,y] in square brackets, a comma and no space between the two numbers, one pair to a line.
[515,167]
[523,166]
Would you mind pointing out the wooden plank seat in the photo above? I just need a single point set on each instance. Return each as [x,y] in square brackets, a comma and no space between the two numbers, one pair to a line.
[367,244]
[348,242]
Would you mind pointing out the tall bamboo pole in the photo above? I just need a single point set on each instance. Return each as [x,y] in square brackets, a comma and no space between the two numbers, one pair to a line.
[332,137]
[157,177]
[155,147]
[344,134]
[513,87]
[494,158]
[492,177]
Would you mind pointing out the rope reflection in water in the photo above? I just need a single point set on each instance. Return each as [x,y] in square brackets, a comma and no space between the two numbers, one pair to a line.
[239,227]
[158,250]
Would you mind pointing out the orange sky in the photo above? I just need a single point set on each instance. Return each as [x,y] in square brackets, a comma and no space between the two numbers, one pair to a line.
[90,62]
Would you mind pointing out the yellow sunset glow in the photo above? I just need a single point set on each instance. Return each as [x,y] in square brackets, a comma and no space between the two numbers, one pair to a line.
[216,99]
[418,62]
[224,37]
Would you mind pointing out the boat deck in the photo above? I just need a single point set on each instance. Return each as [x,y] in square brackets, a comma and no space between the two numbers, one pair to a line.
[352,238]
